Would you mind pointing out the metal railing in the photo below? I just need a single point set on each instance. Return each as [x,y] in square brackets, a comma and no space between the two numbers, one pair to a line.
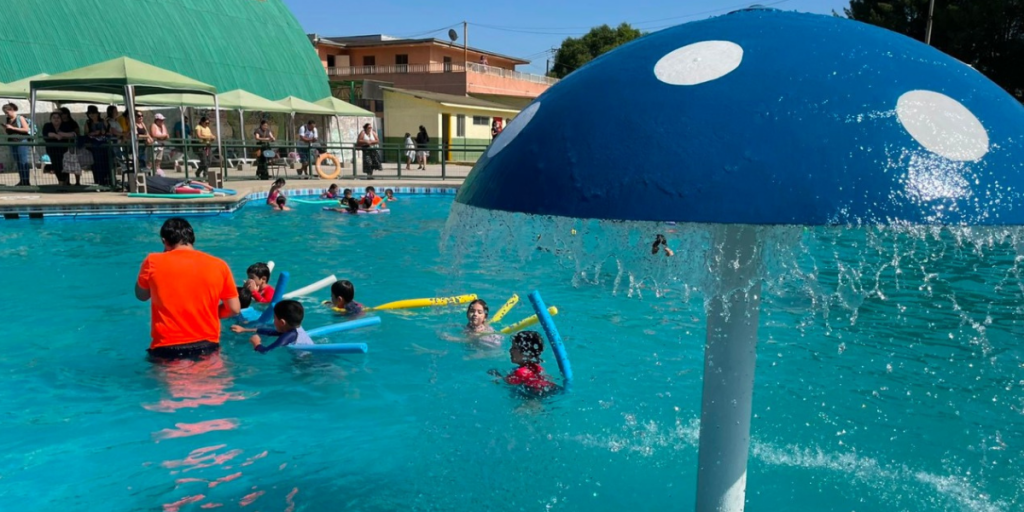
[401,69]
[110,168]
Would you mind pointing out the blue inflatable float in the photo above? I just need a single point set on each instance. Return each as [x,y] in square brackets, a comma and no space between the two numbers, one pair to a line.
[764,117]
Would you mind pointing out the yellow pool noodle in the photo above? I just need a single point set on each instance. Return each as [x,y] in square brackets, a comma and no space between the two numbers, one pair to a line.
[426,303]
[527,322]
[505,309]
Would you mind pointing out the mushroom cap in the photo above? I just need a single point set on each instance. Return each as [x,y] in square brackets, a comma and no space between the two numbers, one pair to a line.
[764,117]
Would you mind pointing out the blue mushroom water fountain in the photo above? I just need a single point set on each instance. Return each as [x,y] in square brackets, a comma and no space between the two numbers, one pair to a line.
[745,130]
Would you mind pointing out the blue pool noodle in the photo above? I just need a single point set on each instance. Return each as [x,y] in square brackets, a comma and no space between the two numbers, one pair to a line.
[279,291]
[333,348]
[249,315]
[553,337]
[344,326]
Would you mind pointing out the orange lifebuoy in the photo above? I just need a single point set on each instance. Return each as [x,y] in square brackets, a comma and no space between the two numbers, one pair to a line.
[332,158]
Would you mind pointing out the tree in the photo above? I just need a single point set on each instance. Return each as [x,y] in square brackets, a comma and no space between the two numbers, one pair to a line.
[575,52]
[987,34]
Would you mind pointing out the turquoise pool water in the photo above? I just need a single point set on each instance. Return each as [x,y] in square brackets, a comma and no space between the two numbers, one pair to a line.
[905,397]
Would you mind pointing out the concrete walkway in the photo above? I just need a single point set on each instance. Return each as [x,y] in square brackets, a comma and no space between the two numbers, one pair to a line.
[19,197]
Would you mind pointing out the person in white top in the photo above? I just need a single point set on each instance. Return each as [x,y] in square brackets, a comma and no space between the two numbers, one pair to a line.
[368,142]
[308,137]
[158,132]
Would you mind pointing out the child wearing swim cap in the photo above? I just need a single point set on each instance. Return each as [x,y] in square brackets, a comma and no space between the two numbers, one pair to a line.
[527,347]
[343,295]
[288,315]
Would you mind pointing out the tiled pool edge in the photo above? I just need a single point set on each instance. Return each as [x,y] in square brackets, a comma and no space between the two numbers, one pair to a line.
[163,209]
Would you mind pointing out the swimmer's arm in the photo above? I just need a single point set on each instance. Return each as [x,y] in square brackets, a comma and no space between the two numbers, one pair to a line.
[141,293]
[282,339]
[228,307]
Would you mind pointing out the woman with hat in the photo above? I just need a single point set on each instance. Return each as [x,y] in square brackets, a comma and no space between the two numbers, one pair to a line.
[158,132]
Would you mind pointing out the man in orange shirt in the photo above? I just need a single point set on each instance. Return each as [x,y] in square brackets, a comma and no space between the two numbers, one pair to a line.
[190,291]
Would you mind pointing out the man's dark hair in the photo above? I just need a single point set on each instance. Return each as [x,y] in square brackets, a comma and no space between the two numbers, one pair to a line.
[344,289]
[290,311]
[259,269]
[371,189]
[177,230]
[244,296]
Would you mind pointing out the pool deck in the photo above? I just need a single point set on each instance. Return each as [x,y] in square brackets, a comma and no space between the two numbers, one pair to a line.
[18,204]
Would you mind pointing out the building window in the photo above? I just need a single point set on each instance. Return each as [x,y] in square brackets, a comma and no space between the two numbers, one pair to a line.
[460,125]
[330,61]
[369,60]
[402,63]
[447,64]
[481,120]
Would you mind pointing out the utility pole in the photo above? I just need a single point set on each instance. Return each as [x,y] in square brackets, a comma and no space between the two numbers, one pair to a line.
[928,29]
[465,45]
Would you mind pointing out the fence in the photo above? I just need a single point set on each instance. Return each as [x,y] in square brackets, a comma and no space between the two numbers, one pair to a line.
[110,166]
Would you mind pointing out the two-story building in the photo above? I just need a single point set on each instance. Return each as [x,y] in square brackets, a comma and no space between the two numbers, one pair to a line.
[457,92]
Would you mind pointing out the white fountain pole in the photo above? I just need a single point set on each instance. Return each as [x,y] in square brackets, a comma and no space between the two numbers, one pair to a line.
[730,355]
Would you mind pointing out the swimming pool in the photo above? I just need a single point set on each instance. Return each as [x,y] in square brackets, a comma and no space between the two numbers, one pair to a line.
[855,409]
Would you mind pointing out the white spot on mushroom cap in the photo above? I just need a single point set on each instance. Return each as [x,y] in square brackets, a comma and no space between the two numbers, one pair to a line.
[512,130]
[699,62]
[942,125]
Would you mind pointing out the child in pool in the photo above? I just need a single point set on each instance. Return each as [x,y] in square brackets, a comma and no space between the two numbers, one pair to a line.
[244,297]
[281,204]
[659,242]
[258,275]
[529,377]
[370,199]
[331,192]
[477,315]
[389,196]
[288,315]
[343,295]
[275,192]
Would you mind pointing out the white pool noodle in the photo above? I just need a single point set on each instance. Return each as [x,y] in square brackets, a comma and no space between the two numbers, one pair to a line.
[323,283]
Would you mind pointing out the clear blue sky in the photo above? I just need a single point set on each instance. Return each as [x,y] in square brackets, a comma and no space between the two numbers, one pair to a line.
[524,28]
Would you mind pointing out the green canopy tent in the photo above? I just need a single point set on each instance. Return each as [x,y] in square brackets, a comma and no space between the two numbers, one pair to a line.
[242,100]
[343,108]
[182,101]
[20,89]
[301,106]
[127,77]
[237,99]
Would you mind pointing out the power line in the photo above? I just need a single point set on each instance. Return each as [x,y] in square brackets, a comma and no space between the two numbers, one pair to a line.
[436,30]
[570,31]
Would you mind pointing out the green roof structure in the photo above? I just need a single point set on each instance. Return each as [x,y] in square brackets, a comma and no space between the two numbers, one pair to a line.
[343,108]
[256,45]
[112,76]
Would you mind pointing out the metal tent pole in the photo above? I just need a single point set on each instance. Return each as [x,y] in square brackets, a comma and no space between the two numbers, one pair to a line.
[928,29]
[129,98]
[220,147]
[31,137]
[730,356]
[184,137]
